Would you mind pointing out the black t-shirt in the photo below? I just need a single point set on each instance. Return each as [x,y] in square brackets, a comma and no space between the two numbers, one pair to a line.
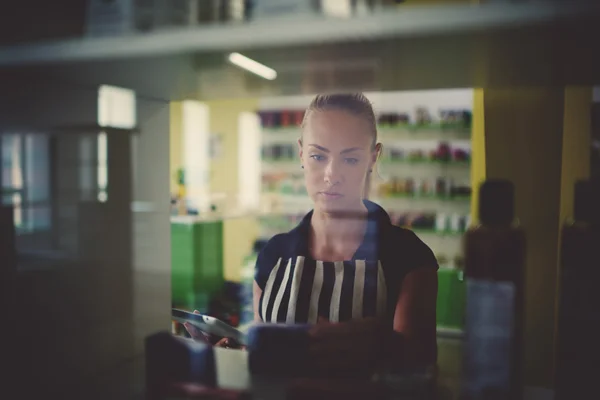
[299,289]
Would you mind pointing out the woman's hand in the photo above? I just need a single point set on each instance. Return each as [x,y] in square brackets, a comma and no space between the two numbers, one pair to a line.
[348,346]
[229,344]
[200,336]
[196,333]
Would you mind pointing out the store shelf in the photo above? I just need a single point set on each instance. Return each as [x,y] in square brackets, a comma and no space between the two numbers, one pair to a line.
[296,31]
[293,165]
[449,333]
[281,166]
[437,133]
[453,199]
[386,135]
[286,131]
[425,231]
[426,162]
[403,204]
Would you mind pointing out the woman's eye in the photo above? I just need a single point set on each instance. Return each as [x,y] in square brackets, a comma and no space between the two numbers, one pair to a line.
[352,161]
[317,157]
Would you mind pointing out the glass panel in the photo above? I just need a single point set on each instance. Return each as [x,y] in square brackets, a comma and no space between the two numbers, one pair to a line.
[37,218]
[17,202]
[7,199]
[12,164]
[37,168]
[102,175]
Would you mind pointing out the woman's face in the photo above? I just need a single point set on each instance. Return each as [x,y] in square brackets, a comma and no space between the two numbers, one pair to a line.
[337,153]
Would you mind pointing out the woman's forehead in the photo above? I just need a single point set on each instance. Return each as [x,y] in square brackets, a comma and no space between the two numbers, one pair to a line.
[337,128]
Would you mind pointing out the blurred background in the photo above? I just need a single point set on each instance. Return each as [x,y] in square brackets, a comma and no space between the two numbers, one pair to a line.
[148,151]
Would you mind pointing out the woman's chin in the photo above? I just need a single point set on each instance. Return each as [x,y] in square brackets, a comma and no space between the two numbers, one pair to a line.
[334,205]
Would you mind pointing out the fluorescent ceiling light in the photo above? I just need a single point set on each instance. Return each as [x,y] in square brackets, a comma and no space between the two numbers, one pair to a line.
[250,65]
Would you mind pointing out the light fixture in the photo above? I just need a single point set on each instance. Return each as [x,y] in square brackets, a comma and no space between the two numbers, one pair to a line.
[253,66]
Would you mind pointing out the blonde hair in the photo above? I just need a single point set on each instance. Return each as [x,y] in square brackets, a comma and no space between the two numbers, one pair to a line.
[353,103]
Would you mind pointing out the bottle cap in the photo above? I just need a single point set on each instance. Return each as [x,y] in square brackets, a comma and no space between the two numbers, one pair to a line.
[587,201]
[496,202]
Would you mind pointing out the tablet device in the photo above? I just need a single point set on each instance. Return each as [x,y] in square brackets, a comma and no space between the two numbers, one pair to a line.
[209,324]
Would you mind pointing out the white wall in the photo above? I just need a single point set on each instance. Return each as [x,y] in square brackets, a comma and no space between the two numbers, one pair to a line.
[151,223]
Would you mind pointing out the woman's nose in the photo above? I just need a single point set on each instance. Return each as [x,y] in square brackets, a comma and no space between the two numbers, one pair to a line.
[332,173]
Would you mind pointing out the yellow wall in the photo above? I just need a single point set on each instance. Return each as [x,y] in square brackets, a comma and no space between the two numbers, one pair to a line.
[239,232]
[477,151]
[175,144]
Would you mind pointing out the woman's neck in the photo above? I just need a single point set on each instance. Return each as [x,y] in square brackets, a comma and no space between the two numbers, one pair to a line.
[337,231]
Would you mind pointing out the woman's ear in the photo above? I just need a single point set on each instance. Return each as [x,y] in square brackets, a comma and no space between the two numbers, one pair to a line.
[376,153]
[300,149]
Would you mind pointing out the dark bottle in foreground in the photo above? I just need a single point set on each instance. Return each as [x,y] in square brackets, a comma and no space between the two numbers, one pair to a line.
[495,276]
[578,345]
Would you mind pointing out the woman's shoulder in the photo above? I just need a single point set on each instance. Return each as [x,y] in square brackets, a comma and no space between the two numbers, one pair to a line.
[283,244]
[276,243]
[403,234]
[278,247]
[404,243]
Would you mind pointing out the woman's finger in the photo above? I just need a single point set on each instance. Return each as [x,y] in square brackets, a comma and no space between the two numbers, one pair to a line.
[222,343]
[191,329]
[195,333]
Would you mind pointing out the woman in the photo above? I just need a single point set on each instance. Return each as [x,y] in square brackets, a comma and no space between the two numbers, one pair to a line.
[345,267]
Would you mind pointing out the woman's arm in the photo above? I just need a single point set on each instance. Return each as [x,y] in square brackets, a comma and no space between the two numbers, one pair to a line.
[415,316]
[364,341]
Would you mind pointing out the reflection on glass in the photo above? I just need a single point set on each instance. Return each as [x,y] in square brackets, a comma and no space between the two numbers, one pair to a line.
[102,176]
[26,180]
[12,175]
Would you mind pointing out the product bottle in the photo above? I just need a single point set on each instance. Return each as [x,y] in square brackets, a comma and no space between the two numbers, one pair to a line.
[578,350]
[494,272]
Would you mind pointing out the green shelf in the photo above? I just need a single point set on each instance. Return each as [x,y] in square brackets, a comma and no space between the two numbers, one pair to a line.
[435,232]
[442,128]
[425,162]
[281,129]
[427,197]
[451,299]
[280,160]
[445,127]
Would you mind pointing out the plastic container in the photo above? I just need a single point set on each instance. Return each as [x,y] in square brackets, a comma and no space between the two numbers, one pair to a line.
[495,275]
[578,352]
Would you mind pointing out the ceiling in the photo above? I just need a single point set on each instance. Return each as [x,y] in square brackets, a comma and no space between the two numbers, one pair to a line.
[547,53]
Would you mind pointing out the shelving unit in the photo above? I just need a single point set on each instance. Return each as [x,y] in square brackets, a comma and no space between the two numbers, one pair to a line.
[403,22]
[386,134]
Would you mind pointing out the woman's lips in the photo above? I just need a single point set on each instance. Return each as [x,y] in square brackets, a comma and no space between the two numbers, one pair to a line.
[331,195]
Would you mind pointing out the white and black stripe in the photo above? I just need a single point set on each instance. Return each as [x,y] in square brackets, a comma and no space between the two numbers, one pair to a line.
[305,289]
